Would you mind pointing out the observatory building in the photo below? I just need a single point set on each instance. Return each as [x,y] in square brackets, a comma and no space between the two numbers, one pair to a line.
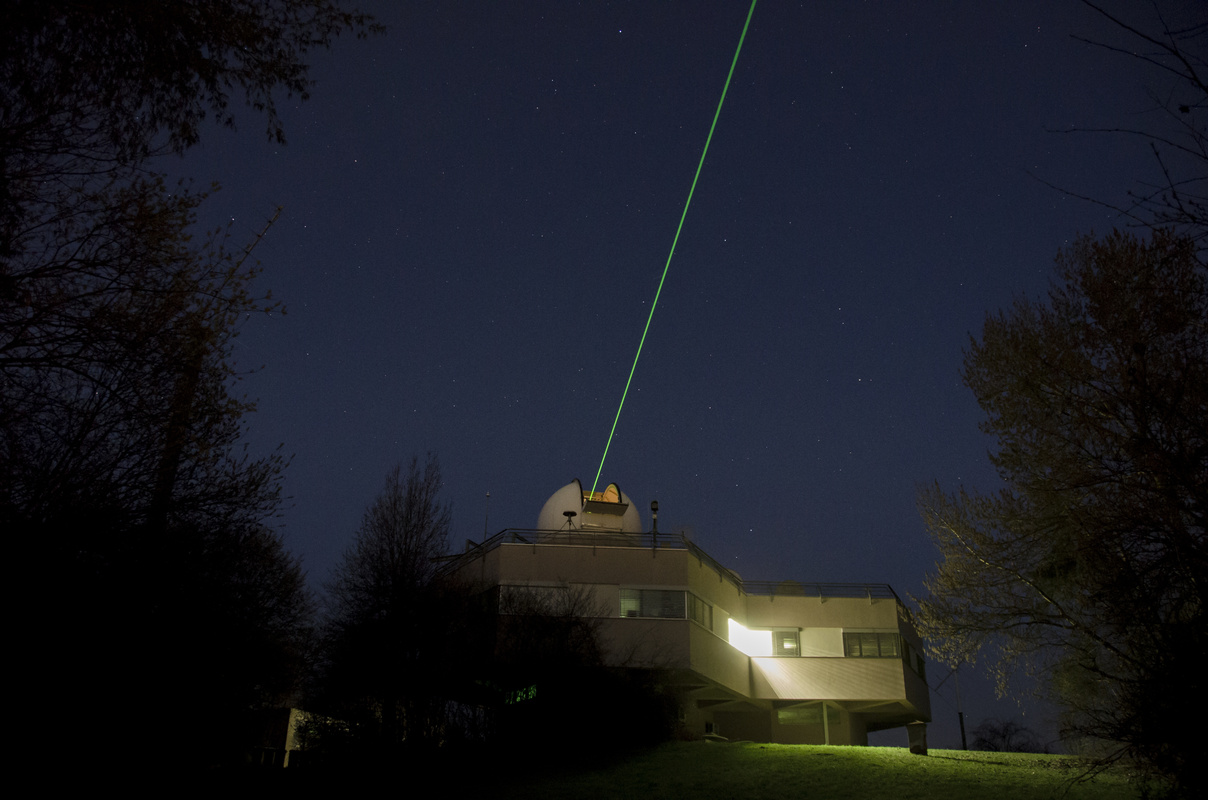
[787,662]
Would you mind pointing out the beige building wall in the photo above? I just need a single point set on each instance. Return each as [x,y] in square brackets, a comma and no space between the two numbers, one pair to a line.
[828,678]
[622,566]
[739,696]
[852,613]
[720,662]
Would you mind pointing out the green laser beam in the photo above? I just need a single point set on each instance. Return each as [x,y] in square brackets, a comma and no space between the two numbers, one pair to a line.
[674,242]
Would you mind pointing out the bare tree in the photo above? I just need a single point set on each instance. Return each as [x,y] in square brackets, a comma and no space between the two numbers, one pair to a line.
[547,647]
[1006,736]
[1169,41]
[386,616]
[557,627]
[402,533]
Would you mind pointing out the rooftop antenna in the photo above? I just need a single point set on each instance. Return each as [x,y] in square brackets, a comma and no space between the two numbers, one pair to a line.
[570,521]
[674,241]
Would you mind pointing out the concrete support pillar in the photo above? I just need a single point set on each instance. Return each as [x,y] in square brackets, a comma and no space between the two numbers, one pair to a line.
[917,733]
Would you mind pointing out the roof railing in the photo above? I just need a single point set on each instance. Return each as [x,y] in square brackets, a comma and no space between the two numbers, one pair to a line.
[670,541]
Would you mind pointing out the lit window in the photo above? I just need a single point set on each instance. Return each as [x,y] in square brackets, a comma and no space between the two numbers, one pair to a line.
[786,643]
[765,642]
[752,643]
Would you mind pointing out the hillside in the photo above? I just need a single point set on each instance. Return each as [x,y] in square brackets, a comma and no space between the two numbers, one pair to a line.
[707,771]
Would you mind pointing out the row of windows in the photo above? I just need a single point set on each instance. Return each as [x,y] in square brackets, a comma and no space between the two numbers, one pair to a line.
[871,645]
[883,645]
[658,603]
[678,604]
[666,604]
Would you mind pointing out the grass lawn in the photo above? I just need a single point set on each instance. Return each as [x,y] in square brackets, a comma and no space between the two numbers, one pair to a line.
[707,771]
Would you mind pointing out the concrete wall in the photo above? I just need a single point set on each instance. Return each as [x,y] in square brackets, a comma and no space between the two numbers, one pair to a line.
[720,662]
[779,611]
[828,678]
[648,643]
[745,693]
[758,725]
[624,566]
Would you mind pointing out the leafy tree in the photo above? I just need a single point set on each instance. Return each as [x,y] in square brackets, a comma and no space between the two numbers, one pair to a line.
[1089,567]
[90,90]
[122,77]
[120,471]
[122,477]
[115,326]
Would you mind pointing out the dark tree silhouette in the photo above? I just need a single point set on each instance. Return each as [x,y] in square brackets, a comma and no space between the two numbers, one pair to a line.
[415,658]
[166,608]
[1088,569]
[131,76]
[115,325]
[386,620]
[1006,736]
[547,652]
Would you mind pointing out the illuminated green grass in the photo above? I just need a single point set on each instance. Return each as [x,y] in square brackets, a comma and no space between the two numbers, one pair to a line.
[705,771]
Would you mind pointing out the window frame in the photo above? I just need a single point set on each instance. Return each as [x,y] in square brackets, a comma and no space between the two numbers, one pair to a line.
[653,603]
[781,637]
[872,644]
[699,611]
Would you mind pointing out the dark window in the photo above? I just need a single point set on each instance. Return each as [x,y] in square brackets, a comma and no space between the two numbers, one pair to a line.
[871,645]
[913,659]
[699,611]
[658,603]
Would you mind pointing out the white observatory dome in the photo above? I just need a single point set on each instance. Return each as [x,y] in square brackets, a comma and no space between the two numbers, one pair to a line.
[607,511]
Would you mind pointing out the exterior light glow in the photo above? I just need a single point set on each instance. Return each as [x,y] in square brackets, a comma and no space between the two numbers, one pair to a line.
[752,643]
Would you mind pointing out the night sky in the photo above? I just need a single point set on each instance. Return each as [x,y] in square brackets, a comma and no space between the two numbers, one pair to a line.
[478,206]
